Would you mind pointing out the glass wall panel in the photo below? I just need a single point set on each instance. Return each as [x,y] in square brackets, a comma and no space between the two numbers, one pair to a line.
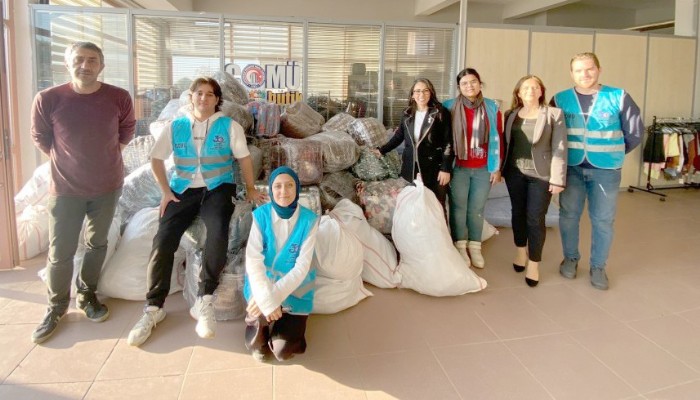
[410,53]
[170,53]
[343,66]
[54,31]
[267,57]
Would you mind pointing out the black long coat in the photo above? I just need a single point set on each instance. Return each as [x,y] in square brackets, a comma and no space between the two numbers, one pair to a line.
[433,150]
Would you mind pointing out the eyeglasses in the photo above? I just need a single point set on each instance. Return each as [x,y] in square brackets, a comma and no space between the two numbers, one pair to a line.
[424,91]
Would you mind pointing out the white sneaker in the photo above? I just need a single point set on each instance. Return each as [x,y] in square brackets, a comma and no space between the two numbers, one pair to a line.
[152,315]
[206,320]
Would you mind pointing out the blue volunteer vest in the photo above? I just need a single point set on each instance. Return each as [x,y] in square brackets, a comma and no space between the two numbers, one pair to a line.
[278,265]
[600,139]
[493,161]
[215,160]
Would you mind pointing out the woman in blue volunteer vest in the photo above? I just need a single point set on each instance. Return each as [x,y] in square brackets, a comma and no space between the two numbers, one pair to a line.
[204,145]
[476,132]
[279,280]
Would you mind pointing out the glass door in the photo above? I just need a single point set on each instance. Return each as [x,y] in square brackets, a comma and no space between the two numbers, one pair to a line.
[9,255]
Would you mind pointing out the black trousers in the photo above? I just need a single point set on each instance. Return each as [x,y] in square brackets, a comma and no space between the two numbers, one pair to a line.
[284,337]
[529,198]
[215,208]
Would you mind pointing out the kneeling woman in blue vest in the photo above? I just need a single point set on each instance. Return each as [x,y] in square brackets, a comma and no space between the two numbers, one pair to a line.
[279,280]
[204,145]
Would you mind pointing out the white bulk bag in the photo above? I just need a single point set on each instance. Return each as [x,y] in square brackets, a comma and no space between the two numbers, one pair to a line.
[36,190]
[333,295]
[339,252]
[429,264]
[380,264]
[125,274]
[33,231]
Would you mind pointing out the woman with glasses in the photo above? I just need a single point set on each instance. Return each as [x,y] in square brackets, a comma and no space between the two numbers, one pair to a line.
[425,130]
[476,132]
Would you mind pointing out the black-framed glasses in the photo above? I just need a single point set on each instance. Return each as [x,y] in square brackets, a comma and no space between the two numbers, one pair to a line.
[419,91]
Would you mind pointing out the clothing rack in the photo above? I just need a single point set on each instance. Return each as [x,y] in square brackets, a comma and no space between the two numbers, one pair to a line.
[693,123]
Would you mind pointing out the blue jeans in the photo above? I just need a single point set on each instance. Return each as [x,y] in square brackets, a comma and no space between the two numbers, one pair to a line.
[469,190]
[66,216]
[600,187]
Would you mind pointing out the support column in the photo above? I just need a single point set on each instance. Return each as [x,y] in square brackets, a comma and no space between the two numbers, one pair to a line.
[686,24]
[462,33]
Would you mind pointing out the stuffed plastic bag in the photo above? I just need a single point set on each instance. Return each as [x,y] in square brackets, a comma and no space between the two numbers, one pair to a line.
[339,122]
[33,231]
[380,264]
[369,167]
[140,191]
[338,149]
[334,295]
[239,229]
[300,121]
[303,156]
[239,114]
[429,264]
[256,156]
[231,88]
[339,252]
[267,118]
[337,186]
[36,191]
[137,153]
[379,201]
[125,274]
[229,302]
[368,132]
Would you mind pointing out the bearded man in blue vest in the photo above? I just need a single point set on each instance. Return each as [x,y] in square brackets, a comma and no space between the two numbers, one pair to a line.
[603,124]
[204,145]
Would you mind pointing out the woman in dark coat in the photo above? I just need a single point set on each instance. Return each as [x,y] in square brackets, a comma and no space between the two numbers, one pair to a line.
[426,130]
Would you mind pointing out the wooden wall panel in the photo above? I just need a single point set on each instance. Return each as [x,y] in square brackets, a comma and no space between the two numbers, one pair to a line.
[662,86]
[623,61]
[670,77]
[500,55]
[550,56]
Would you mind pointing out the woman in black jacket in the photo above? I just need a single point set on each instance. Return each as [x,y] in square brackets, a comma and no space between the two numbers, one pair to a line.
[426,130]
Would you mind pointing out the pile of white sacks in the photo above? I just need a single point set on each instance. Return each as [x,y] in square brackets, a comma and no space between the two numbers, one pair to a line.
[333,157]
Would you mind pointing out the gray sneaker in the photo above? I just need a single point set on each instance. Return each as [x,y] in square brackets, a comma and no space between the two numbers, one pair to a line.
[94,310]
[152,315]
[568,267]
[47,326]
[599,279]
[206,318]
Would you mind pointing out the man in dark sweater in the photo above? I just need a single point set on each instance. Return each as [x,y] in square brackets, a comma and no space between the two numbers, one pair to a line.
[82,126]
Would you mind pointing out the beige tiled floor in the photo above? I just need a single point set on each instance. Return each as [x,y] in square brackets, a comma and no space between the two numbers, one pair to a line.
[560,340]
